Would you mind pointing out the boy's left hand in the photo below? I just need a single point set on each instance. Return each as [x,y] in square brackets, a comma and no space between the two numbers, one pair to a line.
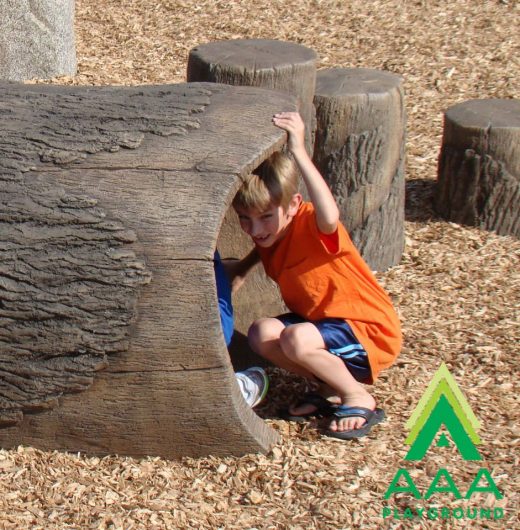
[293,124]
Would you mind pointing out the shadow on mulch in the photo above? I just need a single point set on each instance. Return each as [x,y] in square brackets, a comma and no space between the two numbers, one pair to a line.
[285,389]
[419,197]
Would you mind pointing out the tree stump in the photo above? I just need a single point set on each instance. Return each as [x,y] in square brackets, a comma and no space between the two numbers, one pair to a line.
[37,39]
[479,165]
[111,203]
[276,65]
[359,149]
[282,66]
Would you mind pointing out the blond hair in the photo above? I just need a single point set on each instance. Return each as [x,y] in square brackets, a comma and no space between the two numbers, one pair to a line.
[273,183]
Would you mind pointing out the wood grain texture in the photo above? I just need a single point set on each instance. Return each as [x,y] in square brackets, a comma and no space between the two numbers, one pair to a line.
[479,165]
[111,203]
[359,149]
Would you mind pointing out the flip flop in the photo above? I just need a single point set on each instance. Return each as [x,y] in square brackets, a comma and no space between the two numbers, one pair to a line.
[323,406]
[372,417]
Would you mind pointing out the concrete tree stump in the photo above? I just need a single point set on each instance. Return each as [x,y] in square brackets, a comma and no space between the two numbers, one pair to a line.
[111,204]
[277,65]
[479,165]
[37,39]
[359,149]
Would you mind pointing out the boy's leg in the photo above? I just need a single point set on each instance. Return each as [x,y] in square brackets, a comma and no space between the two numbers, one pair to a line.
[264,339]
[303,345]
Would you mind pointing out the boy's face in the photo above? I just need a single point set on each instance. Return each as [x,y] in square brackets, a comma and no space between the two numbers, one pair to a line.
[268,226]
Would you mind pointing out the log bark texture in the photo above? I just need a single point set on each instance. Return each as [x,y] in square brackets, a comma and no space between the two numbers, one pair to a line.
[277,65]
[37,39]
[479,165]
[359,149]
[111,203]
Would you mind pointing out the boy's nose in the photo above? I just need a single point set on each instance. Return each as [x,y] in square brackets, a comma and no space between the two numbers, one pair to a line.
[256,228]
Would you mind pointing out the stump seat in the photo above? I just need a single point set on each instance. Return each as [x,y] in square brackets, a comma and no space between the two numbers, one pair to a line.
[276,65]
[112,200]
[359,150]
[479,165]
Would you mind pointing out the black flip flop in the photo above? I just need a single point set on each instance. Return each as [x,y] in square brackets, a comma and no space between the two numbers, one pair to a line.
[372,417]
[323,406]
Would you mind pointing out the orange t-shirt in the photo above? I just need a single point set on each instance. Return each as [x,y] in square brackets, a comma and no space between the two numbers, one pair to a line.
[323,276]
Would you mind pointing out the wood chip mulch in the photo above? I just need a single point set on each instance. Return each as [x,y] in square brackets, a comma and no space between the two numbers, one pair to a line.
[457,288]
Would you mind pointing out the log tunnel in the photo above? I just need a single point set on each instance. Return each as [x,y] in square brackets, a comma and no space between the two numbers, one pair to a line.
[112,202]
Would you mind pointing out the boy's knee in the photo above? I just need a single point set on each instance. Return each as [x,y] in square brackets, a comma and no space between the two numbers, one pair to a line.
[261,331]
[292,341]
[300,340]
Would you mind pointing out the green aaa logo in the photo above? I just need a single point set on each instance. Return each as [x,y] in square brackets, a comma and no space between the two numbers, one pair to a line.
[443,405]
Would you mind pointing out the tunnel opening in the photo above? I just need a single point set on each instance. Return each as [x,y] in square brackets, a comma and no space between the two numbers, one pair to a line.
[258,297]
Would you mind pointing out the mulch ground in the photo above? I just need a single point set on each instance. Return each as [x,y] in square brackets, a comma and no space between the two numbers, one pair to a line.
[457,288]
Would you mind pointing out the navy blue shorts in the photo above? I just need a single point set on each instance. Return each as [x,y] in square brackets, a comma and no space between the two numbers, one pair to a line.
[339,340]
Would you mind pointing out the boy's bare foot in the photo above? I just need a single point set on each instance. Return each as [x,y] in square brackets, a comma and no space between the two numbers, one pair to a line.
[359,398]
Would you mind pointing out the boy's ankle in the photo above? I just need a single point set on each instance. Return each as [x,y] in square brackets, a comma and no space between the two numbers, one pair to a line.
[363,399]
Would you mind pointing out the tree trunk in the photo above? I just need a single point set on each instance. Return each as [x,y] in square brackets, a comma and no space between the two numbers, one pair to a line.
[277,65]
[37,39]
[479,165]
[111,202]
[359,149]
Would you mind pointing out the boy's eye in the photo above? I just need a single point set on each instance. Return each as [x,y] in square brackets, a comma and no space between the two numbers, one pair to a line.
[267,216]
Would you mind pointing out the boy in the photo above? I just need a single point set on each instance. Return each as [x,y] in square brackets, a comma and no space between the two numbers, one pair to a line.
[343,329]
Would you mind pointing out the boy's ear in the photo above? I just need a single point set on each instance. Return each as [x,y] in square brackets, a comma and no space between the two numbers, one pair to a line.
[294,204]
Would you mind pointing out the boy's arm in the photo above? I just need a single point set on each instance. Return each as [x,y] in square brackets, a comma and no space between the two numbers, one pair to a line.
[237,269]
[327,212]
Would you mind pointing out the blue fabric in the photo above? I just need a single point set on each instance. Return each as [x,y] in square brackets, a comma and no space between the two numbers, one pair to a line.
[225,306]
[339,340]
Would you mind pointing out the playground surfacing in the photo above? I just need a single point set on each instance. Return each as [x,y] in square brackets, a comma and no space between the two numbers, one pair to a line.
[457,288]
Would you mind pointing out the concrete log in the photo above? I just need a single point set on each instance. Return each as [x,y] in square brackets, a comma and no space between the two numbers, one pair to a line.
[111,204]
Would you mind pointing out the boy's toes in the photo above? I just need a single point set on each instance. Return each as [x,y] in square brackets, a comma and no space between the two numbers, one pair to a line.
[349,424]
[346,424]
[353,422]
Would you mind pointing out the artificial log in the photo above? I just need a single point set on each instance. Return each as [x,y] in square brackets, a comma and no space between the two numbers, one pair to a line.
[359,149]
[111,203]
[479,165]
[277,65]
[37,39]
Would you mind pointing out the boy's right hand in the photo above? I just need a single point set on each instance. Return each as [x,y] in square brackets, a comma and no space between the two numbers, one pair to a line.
[326,209]
[238,269]
[293,124]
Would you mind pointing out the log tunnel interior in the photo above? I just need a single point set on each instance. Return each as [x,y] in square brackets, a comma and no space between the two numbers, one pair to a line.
[259,296]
